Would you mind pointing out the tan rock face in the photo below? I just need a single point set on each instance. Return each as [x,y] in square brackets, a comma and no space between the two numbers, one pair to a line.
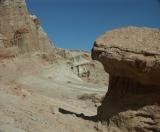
[8,52]
[44,42]
[131,57]
[131,52]
[20,29]
[3,41]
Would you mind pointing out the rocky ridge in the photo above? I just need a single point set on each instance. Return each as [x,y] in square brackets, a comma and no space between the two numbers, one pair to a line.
[20,29]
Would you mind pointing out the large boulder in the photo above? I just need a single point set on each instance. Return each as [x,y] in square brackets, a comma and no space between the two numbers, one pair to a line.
[131,56]
[20,29]
[131,52]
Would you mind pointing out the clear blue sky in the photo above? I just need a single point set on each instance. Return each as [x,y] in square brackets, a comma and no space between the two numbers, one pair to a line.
[75,24]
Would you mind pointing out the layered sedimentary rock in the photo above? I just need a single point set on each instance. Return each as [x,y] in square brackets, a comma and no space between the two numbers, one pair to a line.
[19,28]
[131,56]
[3,41]
[44,42]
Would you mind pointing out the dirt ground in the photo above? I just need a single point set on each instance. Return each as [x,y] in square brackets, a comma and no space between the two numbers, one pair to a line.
[39,96]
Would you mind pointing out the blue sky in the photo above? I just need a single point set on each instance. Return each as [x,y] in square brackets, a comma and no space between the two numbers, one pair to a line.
[75,24]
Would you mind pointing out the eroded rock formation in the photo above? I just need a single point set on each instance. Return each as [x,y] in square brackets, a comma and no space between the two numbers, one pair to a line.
[131,56]
[21,30]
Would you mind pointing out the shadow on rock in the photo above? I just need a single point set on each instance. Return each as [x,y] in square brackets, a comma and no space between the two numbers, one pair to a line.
[89,118]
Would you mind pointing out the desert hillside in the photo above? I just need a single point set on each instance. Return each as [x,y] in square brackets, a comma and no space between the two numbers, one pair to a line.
[43,88]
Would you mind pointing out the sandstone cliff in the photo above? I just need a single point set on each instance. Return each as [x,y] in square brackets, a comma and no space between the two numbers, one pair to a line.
[20,29]
[131,57]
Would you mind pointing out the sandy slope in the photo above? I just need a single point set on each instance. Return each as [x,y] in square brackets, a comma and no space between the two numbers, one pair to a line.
[47,101]
[60,84]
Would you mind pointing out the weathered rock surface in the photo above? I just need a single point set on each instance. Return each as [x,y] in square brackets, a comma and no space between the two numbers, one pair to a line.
[132,58]
[3,39]
[44,42]
[131,52]
[20,29]
[82,64]
[8,52]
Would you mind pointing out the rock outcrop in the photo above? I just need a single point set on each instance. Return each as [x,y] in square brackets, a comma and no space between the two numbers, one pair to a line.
[20,29]
[3,41]
[131,56]
[44,42]
[81,63]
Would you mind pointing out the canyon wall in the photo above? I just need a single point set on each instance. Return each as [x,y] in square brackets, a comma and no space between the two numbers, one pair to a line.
[20,28]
